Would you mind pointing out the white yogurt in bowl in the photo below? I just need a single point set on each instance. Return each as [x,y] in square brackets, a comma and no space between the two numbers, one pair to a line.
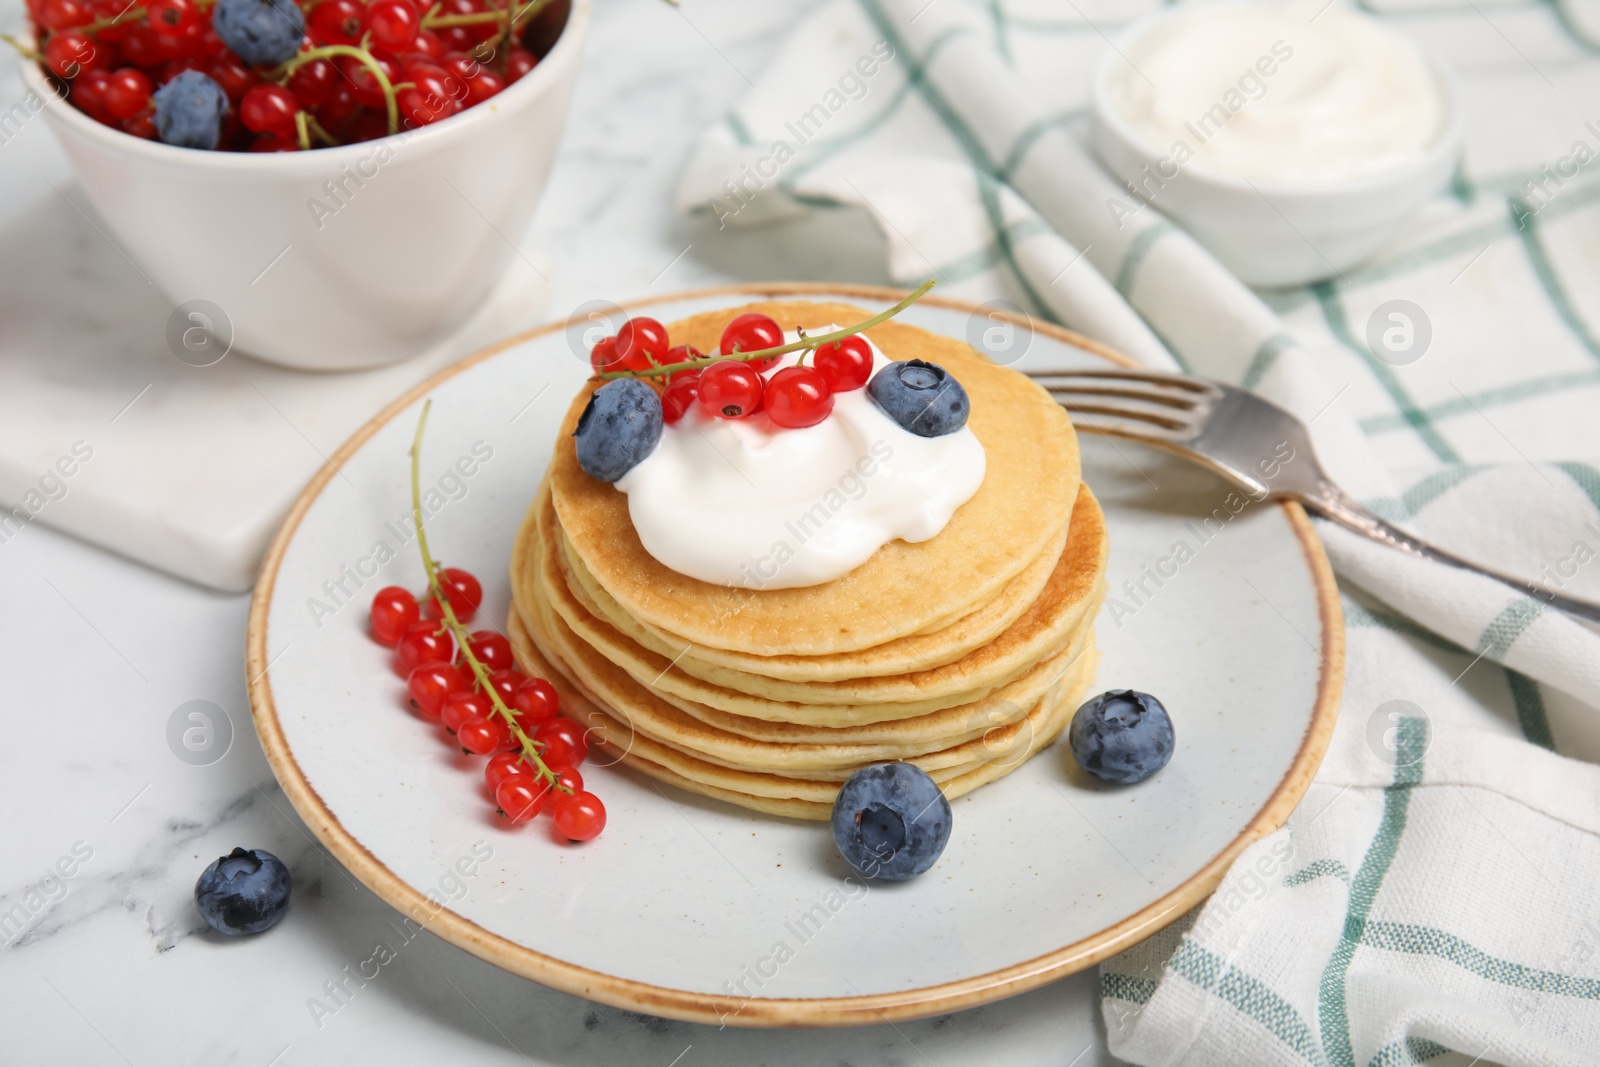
[1289,138]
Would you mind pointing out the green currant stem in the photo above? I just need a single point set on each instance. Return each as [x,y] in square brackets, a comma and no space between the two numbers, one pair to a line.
[303,130]
[131,14]
[22,49]
[804,344]
[478,18]
[530,748]
[318,132]
[366,59]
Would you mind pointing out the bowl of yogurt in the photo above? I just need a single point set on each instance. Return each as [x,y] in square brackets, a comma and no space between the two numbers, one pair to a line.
[1288,138]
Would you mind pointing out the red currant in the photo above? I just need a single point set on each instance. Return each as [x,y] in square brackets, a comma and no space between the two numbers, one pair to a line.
[229,72]
[431,683]
[89,93]
[392,23]
[461,589]
[564,742]
[142,125]
[603,356]
[462,705]
[679,397]
[127,93]
[340,106]
[521,796]
[430,44]
[580,817]
[519,61]
[505,765]
[505,682]
[313,83]
[104,9]
[481,736]
[641,344]
[393,610]
[682,354]
[64,14]
[335,22]
[170,18]
[751,332]
[362,81]
[482,86]
[567,776]
[367,126]
[421,108]
[269,109]
[796,397]
[844,365]
[178,66]
[535,701]
[424,641]
[730,389]
[490,649]
[139,46]
[70,53]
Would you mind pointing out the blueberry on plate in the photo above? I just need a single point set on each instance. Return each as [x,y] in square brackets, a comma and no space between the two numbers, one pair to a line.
[260,31]
[891,821]
[1122,736]
[922,397]
[244,892]
[189,111]
[618,429]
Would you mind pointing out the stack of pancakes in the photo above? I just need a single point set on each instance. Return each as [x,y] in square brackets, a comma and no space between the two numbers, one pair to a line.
[963,654]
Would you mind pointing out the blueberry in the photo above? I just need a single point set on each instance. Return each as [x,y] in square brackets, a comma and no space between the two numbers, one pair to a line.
[619,428]
[189,111]
[921,397]
[260,31]
[891,821]
[244,892]
[1123,736]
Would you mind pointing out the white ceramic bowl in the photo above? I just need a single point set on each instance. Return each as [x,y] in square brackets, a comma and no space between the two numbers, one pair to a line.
[1274,233]
[411,235]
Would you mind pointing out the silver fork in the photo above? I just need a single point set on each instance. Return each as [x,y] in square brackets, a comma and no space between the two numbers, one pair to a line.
[1252,442]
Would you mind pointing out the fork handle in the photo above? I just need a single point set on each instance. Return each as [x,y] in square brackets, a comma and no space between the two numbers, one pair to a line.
[1334,504]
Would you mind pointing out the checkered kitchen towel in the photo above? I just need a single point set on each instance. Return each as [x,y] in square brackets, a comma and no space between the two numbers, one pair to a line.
[1435,896]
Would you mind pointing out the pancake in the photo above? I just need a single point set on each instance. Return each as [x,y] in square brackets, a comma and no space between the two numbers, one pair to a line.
[770,794]
[1031,481]
[915,652]
[1042,628]
[978,732]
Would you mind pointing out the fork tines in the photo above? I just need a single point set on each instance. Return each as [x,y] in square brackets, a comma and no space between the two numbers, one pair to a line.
[1162,406]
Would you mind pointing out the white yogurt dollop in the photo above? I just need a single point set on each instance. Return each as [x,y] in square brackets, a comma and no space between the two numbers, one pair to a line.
[741,502]
[1264,92]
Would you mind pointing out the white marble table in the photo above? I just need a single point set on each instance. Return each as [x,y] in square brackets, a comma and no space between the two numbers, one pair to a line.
[112,965]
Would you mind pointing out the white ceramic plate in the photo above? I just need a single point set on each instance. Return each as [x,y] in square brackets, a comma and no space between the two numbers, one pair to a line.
[692,909]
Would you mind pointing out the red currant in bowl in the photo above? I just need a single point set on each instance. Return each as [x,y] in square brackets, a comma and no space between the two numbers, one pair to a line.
[730,389]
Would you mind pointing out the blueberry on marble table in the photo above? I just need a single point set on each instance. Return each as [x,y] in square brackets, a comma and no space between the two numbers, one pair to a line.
[244,892]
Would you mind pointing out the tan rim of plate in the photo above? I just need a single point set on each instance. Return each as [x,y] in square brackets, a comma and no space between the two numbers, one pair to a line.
[724,1010]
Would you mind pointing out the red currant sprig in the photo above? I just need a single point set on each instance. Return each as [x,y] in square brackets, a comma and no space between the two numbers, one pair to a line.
[466,680]
[764,356]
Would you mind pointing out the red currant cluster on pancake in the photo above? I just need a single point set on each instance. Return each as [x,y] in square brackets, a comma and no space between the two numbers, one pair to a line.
[650,384]
[286,75]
